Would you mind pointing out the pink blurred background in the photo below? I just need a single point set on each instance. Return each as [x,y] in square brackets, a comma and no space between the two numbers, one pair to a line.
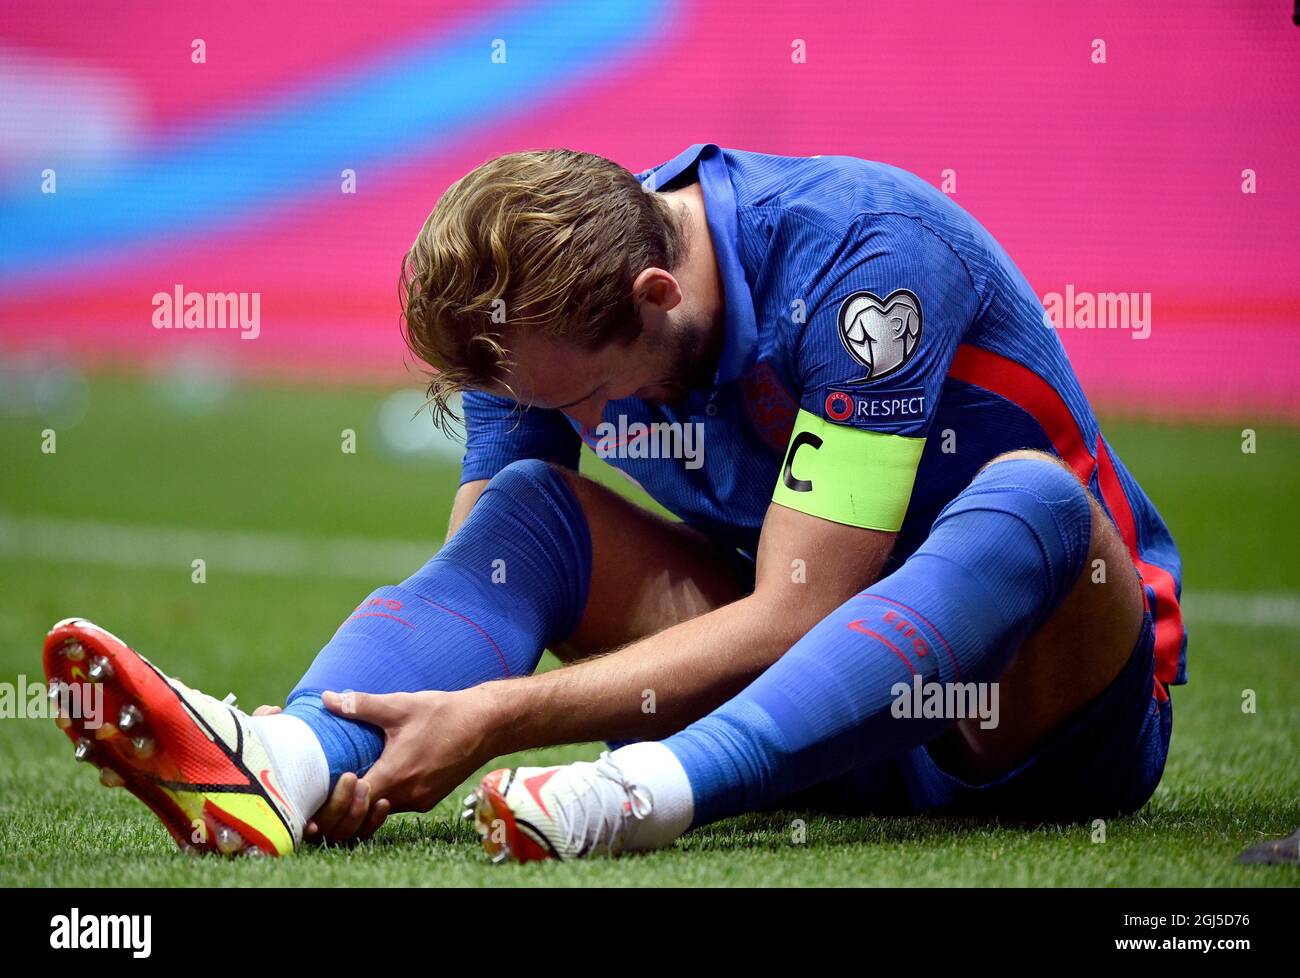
[1125,176]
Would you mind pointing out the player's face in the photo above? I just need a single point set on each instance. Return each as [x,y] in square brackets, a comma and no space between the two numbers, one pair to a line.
[671,356]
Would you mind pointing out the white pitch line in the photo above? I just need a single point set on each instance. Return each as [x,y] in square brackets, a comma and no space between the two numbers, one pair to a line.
[1273,609]
[273,553]
[58,540]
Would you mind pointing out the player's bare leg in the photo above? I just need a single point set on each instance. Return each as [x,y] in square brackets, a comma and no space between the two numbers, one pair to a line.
[648,573]
[1064,665]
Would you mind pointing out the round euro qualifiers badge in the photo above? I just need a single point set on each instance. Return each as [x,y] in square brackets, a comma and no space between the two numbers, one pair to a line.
[881,334]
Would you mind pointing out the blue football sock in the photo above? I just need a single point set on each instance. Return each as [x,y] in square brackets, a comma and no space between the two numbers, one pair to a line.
[999,559]
[512,580]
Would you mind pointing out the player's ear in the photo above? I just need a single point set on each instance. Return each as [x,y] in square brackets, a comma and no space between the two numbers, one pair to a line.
[657,287]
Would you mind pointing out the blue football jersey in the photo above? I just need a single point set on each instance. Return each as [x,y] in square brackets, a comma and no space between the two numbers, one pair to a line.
[879,348]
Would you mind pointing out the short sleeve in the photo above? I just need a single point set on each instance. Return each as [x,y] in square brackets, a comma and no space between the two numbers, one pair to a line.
[498,432]
[883,325]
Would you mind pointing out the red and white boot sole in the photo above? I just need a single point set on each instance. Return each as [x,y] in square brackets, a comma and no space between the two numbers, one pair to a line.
[136,743]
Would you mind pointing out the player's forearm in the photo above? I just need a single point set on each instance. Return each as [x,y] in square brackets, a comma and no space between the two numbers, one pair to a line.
[648,689]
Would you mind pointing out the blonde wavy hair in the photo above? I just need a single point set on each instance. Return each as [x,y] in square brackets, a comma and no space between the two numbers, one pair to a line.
[548,241]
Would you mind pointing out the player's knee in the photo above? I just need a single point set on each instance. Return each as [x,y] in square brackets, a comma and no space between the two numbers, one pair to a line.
[1068,495]
[527,525]
[532,484]
[1045,495]
[531,504]
[1026,454]
[524,472]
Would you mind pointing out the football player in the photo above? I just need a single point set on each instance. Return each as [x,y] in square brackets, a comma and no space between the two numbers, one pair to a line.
[896,479]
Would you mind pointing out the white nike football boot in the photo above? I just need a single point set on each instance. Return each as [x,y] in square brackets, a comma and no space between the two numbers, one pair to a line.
[567,812]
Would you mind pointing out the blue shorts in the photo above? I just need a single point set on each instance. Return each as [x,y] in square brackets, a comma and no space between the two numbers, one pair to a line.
[1107,760]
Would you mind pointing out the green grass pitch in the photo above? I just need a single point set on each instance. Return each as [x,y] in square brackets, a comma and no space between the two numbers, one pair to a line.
[267,463]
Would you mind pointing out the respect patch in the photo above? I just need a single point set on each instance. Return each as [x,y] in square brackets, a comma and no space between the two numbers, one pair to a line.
[875,409]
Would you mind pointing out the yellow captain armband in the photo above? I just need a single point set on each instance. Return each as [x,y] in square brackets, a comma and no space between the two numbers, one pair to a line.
[848,475]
